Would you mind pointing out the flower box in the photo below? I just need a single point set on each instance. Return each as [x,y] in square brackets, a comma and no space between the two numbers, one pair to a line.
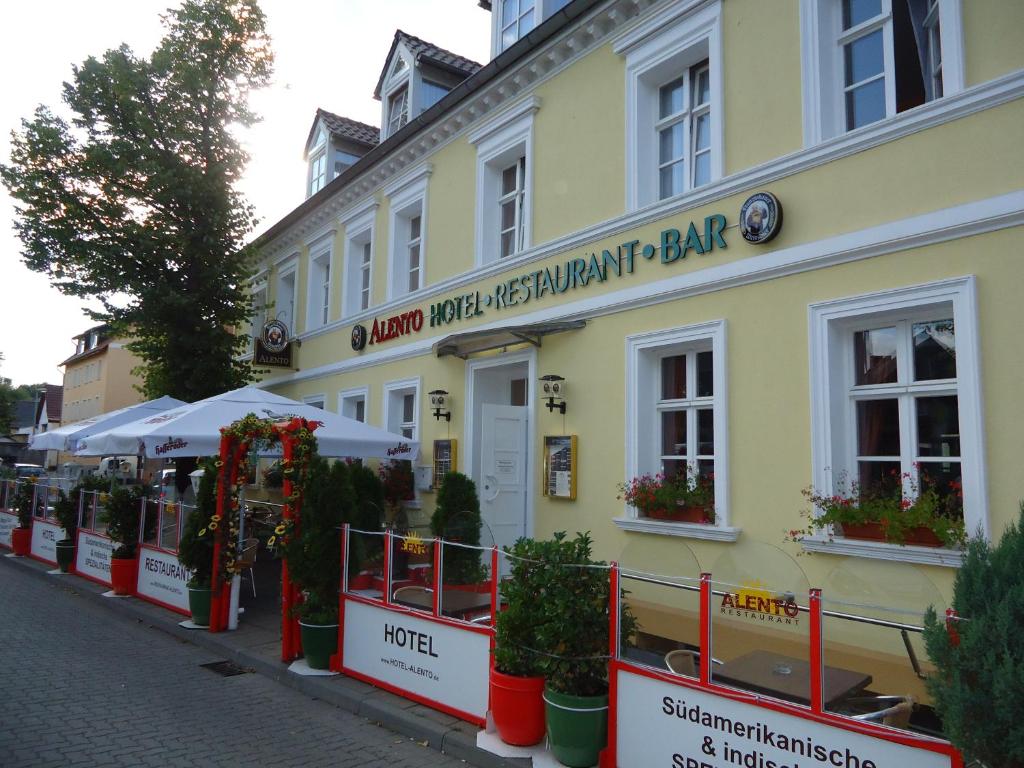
[875,531]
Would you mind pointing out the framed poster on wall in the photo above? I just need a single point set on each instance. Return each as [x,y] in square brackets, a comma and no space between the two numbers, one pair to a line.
[446,459]
[560,466]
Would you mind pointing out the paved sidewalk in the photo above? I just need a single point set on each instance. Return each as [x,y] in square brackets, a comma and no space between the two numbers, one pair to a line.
[257,648]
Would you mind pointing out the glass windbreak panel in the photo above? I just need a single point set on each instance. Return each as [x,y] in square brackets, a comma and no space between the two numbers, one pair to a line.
[673,377]
[664,632]
[875,356]
[934,350]
[6,494]
[670,98]
[465,574]
[857,11]
[874,672]
[151,522]
[91,512]
[705,374]
[760,640]
[878,427]
[412,564]
[705,431]
[366,563]
[938,426]
[170,525]
[879,478]
[673,433]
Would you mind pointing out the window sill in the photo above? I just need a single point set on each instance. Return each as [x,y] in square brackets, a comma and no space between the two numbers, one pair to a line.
[686,530]
[893,552]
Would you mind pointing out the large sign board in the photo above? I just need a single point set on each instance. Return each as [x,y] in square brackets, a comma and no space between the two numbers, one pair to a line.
[437,663]
[662,724]
[44,540]
[92,556]
[163,579]
[8,523]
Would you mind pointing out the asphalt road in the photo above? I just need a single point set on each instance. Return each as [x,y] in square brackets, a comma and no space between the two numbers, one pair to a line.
[83,686]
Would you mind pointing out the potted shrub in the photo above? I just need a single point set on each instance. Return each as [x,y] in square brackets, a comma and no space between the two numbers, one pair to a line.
[65,510]
[21,537]
[122,513]
[367,515]
[516,684]
[457,518]
[900,514]
[312,550]
[572,637]
[979,662]
[684,498]
[195,550]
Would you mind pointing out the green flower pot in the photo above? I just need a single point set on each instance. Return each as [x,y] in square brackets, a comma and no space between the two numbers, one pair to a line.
[577,727]
[319,643]
[199,604]
[65,554]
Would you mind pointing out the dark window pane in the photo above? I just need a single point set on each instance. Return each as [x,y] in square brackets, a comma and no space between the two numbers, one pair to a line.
[508,180]
[673,468]
[673,377]
[879,478]
[408,407]
[857,11]
[508,215]
[945,479]
[875,356]
[938,426]
[673,433]
[865,104]
[706,432]
[414,227]
[706,469]
[705,374]
[506,244]
[360,414]
[878,428]
[934,350]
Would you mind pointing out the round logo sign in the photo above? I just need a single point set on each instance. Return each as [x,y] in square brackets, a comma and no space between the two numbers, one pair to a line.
[358,337]
[760,217]
[275,336]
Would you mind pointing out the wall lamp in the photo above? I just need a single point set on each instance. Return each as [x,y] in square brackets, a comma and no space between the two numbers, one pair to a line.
[553,388]
[442,404]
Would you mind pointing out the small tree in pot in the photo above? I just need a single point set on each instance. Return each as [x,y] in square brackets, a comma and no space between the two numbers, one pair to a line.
[65,510]
[367,515]
[195,550]
[457,518]
[123,514]
[21,537]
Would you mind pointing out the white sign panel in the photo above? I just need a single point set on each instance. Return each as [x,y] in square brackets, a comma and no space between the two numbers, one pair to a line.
[669,726]
[441,663]
[7,524]
[163,578]
[92,556]
[44,540]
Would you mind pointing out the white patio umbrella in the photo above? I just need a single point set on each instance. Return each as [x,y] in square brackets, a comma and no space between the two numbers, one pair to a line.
[66,438]
[194,430]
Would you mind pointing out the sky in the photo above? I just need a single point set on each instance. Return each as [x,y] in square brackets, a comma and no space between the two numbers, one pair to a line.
[328,54]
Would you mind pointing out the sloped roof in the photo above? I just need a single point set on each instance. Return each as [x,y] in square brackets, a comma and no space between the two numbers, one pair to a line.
[24,414]
[98,349]
[432,54]
[54,402]
[346,128]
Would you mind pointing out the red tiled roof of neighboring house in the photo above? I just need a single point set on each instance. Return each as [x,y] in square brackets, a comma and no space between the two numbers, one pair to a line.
[347,128]
[54,402]
[433,54]
[102,347]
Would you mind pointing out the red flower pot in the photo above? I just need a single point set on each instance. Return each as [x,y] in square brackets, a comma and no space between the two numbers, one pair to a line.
[923,537]
[517,706]
[124,575]
[867,531]
[21,541]
[689,515]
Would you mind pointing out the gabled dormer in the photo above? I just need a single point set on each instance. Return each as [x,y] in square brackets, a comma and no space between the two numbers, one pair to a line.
[335,143]
[416,75]
[512,20]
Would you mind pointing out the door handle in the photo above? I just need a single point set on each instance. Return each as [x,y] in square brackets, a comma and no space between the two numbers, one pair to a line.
[491,489]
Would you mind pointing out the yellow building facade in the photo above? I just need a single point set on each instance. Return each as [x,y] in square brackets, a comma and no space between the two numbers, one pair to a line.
[766,243]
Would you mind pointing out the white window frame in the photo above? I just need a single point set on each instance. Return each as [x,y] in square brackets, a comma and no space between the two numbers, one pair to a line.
[831,326]
[397,79]
[320,400]
[516,198]
[821,64]
[360,228]
[259,314]
[644,353]
[394,395]
[542,9]
[319,301]
[317,178]
[656,52]
[347,399]
[289,269]
[500,143]
[406,199]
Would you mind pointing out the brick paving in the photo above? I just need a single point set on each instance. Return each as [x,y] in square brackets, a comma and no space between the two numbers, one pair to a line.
[83,686]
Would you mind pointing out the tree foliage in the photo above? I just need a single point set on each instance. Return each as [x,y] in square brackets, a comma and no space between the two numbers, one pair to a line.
[195,550]
[979,673]
[457,518]
[132,202]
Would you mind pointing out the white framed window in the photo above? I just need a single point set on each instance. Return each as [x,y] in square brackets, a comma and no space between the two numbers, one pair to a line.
[674,135]
[317,163]
[504,183]
[512,19]
[867,60]
[402,407]
[895,402]
[357,284]
[285,294]
[408,240]
[258,314]
[352,403]
[318,298]
[317,401]
[398,110]
[676,418]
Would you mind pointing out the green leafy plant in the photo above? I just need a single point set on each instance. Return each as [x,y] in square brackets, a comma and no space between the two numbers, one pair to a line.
[457,518]
[65,509]
[122,514]
[195,551]
[515,638]
[367,515]
[979,662]
[23,501]
[661,497]
[898,508]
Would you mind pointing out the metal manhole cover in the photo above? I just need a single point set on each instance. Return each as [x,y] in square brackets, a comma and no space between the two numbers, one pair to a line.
[225,668]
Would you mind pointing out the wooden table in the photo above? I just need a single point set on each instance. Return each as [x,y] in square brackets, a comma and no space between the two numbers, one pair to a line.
[456,603]
[787,678]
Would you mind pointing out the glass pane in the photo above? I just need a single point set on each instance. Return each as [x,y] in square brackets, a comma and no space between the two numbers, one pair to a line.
[673,433]
[702,87]
[414,257]
[673,377]
[366,279]
[360,411]
[865,105]
[526,23]
[875,356]
[934,350]
[408,405]
[671,143]
[506,243]
[673,468]
[938,426]
[671,179]
[705,374]
[508,180]
[702,169]
[706,469]
[508,37]
[706,432]
[858,11]
[509,11]
[944,477]
[666,615]
[670,98]
[878,427]
[702,137]
[863,57]
[879,478]
[414,227]
[508,215]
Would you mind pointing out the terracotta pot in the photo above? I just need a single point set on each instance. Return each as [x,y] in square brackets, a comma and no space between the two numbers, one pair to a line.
[689,515]
[868,531]
[124,575]
[656,513]
[517,706]
[21,541]
[922,536]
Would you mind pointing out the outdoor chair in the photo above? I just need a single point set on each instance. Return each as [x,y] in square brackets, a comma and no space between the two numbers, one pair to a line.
[893,711]
[411,589]
[683,661]
[247,560]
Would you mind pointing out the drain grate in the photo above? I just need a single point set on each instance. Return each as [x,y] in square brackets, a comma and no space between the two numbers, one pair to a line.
[225,668]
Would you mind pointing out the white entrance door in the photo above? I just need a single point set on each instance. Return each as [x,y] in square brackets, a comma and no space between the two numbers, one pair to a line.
[503,459]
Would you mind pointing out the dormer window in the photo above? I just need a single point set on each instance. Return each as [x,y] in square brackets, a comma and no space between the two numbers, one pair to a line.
[318,163]
[516,20]
[398,110]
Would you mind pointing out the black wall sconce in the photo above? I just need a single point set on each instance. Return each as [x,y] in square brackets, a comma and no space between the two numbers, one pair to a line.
[553,388]
[442,404]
